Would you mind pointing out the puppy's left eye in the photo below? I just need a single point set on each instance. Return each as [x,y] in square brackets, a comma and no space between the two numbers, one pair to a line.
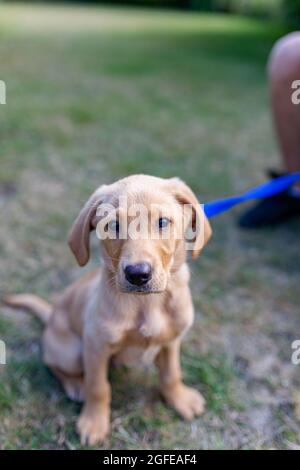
[163,222]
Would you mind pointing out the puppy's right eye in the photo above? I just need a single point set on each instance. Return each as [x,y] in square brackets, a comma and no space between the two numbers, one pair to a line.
[113,226]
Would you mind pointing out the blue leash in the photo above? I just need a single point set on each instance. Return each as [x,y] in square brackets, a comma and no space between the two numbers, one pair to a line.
[275,186]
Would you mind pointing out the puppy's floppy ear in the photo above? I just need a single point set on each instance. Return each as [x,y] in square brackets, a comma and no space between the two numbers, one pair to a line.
[199,222]
[79,236]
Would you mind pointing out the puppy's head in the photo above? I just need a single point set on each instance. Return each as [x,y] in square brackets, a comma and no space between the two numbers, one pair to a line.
[143,223]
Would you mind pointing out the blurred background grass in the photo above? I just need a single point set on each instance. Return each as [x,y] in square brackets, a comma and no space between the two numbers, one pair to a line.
[95,93]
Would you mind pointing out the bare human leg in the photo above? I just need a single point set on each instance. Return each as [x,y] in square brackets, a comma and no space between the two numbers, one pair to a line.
[284,78]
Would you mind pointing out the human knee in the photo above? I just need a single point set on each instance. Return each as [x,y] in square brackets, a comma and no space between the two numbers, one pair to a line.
[284,61]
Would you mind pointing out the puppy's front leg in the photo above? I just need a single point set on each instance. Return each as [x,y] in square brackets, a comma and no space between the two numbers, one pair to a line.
[94,421]
[187,401]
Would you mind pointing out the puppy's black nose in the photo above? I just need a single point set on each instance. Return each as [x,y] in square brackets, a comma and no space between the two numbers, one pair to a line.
[138,274]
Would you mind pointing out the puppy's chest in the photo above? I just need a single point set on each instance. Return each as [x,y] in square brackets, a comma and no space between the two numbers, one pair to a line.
[151,330]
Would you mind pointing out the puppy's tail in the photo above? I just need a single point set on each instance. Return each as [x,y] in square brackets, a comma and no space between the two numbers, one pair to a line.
[41,308]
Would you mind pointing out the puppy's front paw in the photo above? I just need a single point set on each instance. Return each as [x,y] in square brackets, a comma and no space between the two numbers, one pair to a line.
[187,401]
[92,427]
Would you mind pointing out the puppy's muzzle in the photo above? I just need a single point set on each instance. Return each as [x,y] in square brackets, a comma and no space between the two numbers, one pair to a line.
[138,274]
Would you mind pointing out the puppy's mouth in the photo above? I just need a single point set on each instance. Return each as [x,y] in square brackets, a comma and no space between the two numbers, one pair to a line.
[140,290]
[154,286]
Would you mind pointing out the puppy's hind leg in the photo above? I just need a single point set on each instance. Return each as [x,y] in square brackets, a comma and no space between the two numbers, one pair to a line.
[73,385]
[62,352]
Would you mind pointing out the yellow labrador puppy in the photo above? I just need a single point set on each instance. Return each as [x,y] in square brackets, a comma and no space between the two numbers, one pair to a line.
[136,307]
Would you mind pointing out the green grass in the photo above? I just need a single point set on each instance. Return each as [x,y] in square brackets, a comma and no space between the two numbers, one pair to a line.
[95,94]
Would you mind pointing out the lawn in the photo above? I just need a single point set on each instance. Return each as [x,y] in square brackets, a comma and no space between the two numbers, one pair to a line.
[94,94]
